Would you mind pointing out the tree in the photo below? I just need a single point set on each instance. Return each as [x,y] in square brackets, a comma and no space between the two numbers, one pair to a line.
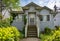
[0,9]
[9,4]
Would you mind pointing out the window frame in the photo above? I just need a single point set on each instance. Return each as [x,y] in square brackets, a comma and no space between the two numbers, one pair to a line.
[48,17]
[41,17]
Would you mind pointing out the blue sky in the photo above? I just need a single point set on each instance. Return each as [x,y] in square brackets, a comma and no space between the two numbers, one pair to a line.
[48,3]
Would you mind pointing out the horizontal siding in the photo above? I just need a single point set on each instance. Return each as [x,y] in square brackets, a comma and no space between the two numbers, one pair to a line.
[19,24]
[49,24]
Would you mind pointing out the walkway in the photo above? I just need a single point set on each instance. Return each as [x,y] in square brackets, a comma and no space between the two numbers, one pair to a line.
[30,39]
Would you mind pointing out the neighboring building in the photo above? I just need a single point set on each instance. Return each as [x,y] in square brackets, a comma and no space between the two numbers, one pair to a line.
[57,17]
[3,11]
[37,19]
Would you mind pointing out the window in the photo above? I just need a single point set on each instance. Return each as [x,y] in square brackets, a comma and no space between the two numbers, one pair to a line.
[44,17]
[54,19]
[41,18]
[48,17]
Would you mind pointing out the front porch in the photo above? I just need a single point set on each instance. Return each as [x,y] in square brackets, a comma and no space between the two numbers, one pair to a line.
[32,28]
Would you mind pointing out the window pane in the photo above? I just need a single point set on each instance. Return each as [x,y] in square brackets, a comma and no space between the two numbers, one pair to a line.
[32,21]
[44,18]
[48,17]
[41,18]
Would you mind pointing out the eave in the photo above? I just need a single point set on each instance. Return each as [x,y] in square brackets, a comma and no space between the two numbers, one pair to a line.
[17,12]
[25,8]
[38,8]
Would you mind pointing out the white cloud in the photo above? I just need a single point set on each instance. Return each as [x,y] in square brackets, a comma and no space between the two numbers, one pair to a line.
[52,3]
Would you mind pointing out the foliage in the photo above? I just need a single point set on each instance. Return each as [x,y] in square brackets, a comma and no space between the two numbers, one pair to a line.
[11,3]
[47,30]
[1,16]
[9,34]
[25,20]
[14,15]
[4,23]
[54,36]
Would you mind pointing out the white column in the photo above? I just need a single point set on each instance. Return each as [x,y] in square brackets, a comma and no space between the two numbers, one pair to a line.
[37,23]
[26,27]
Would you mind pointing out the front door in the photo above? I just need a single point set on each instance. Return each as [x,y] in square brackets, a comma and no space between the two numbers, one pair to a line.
[32,19]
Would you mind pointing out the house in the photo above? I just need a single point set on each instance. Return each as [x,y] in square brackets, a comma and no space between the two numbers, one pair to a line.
[37,19]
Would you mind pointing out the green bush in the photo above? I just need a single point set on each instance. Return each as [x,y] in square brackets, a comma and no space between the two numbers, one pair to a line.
[47,30]
[4,23]
[55,36]
[10,34]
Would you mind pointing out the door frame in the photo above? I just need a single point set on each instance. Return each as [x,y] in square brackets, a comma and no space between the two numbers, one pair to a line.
[30,18]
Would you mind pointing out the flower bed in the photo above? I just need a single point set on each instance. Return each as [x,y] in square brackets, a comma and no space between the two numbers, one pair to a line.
[9,34]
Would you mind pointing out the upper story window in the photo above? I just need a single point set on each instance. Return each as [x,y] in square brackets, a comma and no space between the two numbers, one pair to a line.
[48,17]
[44,17]
[41,17]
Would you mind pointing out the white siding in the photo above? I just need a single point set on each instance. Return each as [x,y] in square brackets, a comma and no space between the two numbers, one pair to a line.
[18,22]
[57,20]
[46,23]
[6,13]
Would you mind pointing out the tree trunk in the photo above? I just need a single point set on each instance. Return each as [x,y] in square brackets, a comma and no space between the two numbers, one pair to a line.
[0,9]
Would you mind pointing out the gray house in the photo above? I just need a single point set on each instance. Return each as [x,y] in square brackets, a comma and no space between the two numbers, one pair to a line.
[37,19]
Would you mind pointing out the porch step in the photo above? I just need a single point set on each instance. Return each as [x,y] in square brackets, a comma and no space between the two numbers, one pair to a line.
[32,31]
[32,35]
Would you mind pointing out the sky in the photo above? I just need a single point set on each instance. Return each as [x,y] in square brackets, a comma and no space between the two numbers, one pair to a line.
[48,3]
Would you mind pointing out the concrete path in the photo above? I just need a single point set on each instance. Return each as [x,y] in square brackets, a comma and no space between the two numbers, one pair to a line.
[30,39]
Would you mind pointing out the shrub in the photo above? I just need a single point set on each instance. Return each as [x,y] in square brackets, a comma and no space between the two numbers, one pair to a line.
[9,34]
[47,30]
[5,23]
[55,36]
[57,27]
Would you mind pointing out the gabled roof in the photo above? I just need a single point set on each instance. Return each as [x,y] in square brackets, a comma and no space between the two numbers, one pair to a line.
[17,10]
[31,4]
[26,7]
[45,7]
